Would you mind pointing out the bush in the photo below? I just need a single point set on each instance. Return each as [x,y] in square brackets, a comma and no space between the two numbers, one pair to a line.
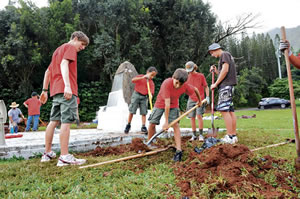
[280,88]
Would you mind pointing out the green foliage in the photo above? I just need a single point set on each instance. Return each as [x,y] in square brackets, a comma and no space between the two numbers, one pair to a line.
[92,95]
[249,88]
[280,88]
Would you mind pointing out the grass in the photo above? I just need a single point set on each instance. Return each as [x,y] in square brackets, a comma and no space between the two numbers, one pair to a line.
[148,177]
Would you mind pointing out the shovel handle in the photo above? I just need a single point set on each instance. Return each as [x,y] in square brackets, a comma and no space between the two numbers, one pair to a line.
[175,121]
[149,94]
[292,97]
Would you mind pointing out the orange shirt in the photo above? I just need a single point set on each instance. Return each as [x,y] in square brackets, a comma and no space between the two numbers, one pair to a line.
[197,80]
[34,106]
[167,90]
[68,52]
[141,86]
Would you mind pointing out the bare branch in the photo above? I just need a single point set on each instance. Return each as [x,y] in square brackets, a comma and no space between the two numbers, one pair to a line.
[242,23]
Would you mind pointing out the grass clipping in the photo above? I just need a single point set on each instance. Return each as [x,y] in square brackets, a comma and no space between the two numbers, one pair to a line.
[230,168]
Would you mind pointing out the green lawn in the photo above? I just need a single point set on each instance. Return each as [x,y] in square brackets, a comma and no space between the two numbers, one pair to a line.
[148,177]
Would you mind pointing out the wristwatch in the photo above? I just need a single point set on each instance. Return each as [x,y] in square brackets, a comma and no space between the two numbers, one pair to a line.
[45,90]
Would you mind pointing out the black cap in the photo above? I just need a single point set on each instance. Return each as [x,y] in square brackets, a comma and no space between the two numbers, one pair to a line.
[34,94]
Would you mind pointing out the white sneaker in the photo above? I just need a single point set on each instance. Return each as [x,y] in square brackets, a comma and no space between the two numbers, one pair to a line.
[193,138]
[229,139]
[201,138]
[65,160]
[48,156]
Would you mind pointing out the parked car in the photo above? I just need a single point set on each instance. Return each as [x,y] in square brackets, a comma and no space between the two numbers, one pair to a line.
[272,102]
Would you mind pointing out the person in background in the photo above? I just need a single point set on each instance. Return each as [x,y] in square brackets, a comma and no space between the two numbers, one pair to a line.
[13,115]
[295,60]
[62,76]
[197,80]
[33,105]
[226,81]
[139,98]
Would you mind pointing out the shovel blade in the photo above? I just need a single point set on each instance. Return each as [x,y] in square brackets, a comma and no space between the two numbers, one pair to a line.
[212,132]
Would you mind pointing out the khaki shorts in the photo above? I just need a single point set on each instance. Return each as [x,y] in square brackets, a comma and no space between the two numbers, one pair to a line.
[63,110]
[198,111]
[138,101]
[156,114]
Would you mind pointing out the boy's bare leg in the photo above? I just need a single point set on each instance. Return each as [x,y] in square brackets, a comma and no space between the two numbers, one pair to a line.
[49,135]
[130,118]
[200,121]
[228,122]
[193,123]
[233,118]
[151,130]
[64,138]
[177,136]
[143,120]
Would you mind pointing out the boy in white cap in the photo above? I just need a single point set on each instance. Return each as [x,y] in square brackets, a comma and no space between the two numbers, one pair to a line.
[197,80]
[226,81]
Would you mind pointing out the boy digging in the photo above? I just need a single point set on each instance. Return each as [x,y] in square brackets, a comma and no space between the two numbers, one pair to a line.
[139,98]
[167,102]
[197,80]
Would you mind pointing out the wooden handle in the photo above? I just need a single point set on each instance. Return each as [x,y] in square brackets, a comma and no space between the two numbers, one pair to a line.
[185,114]
[149,95]
[125,158]
[292,97]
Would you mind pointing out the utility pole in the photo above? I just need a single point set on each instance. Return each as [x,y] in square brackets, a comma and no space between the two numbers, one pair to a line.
[278,55]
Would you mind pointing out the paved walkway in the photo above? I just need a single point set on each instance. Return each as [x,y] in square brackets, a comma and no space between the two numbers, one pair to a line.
[81,140]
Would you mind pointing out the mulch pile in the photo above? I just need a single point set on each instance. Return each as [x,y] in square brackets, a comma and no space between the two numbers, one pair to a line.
[233,168]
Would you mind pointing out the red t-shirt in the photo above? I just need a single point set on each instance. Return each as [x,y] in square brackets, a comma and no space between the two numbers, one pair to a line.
[57,85]
[34,106]
[141,86]
[167,90]
[197,80]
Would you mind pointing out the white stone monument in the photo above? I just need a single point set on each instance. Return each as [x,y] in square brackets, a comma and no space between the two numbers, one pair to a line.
[114,116]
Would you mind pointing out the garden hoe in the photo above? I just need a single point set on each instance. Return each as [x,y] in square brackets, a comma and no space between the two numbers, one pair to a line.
[292,99]
[174,122]
[212,132]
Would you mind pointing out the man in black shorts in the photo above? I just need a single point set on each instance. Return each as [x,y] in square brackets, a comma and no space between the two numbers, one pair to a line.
[226,81]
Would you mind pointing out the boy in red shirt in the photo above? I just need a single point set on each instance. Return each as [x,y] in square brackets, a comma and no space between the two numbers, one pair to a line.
[62,76]
[139,98]
[197,80]
[167,102]
[33,104]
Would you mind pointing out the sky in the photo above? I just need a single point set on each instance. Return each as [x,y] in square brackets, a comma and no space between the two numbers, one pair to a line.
[272,13]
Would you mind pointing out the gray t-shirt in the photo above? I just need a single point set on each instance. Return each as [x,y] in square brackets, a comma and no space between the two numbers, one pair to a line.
[14,113]
[230,79]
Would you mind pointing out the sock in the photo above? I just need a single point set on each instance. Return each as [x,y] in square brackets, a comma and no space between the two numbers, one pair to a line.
[178,151]
[201,131]
[194,133]
[143,125]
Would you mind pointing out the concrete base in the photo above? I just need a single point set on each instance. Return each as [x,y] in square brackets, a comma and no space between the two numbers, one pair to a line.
[82,140]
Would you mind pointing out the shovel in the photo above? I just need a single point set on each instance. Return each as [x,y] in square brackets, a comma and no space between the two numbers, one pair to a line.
[212,132]
[174,122]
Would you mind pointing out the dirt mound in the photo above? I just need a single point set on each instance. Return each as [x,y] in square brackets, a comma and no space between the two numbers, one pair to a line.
[136,145]
[233,168]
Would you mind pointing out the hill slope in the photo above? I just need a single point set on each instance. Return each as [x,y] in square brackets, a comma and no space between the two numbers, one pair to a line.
[292,34]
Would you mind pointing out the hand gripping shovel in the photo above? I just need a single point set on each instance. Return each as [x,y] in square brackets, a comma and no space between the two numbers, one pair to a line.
[174,122]
[212,132]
